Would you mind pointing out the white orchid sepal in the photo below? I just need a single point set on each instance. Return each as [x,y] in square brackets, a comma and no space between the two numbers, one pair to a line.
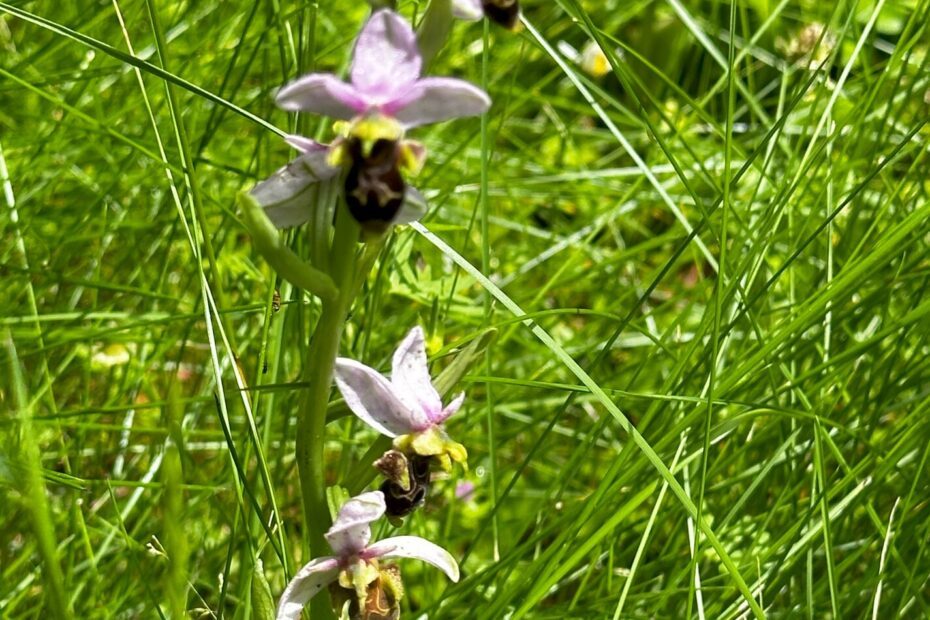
[405,407]
[354,565]
[385,79]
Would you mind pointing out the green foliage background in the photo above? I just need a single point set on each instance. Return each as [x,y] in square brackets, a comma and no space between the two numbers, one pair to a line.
[711,260]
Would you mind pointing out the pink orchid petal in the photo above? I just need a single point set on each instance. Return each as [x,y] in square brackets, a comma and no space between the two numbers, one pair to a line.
[470,10]
[431,100]
[305,145]
[416,548]
[372,398]
[288,195]
[450,409]
[322,93]
[306,584]
[410,375]
[351,530]
[386,59]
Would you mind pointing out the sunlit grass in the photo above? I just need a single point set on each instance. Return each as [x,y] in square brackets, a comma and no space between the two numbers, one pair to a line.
[705,270]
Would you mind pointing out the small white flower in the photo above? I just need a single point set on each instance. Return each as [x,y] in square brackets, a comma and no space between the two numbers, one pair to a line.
[355,563]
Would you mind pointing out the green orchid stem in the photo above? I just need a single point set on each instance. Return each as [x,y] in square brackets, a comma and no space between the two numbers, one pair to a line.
[311,421]
[324,349]
[267,240]
[434,29]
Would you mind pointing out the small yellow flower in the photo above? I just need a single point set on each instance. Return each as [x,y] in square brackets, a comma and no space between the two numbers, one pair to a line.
[594,61]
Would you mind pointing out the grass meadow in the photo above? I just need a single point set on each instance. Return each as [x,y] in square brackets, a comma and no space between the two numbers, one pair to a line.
[681,281]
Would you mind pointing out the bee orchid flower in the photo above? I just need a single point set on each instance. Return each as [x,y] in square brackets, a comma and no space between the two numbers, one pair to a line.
[354,565]
[385,96]
[405,407]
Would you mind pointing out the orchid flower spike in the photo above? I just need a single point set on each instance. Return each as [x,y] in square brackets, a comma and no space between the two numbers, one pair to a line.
[354,566]
[407,407]
[503,12]
[385,96]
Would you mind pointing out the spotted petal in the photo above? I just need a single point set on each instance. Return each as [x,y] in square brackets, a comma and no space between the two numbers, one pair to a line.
[410,375]
[322,93]
[306,584]
[373,399]
[386,61]
[351,531]
[416,548]
[431,100]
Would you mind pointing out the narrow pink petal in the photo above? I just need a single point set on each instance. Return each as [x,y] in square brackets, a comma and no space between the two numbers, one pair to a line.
[438,99]
[351,530]
[305,145]
[386,61]
[289,195]
[322,93]
[372,398]
[308,581]
[410,375]
[418,549]
[467,9]
[450,409]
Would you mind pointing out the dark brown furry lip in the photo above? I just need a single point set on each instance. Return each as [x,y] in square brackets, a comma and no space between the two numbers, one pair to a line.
[374,186]
[503,12]
[401,503]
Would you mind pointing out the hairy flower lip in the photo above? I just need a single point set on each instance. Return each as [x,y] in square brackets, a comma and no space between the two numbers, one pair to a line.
[407,482]
[284,195]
